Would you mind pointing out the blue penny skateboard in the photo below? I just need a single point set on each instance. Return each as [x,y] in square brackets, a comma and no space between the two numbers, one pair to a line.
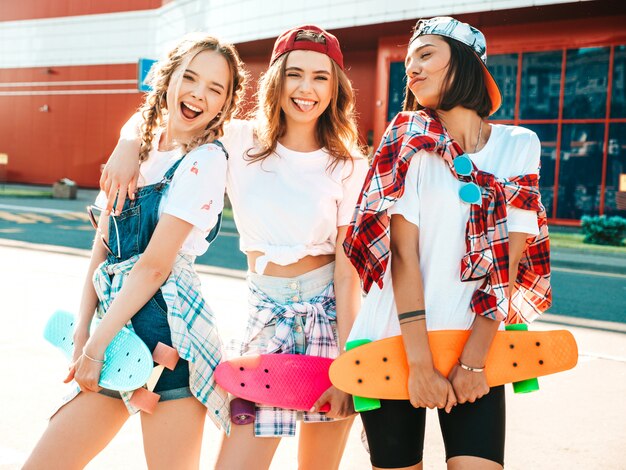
[128,363]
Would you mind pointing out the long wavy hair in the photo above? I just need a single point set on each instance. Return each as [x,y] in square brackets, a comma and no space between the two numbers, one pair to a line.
[335,130]
[154,108]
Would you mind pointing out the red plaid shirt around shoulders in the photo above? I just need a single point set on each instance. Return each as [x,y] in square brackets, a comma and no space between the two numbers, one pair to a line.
[367,241]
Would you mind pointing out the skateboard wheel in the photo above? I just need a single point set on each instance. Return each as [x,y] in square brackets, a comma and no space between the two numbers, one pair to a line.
[241,411]
[165,355]
[526,386]
[362,403]
[145,400]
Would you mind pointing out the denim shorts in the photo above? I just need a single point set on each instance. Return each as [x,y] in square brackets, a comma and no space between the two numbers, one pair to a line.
[150,324]
[277,422]
[285,290]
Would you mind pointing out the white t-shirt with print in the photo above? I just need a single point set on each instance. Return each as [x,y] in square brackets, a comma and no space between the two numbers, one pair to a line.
[289,205]
[431,202]
[196,193]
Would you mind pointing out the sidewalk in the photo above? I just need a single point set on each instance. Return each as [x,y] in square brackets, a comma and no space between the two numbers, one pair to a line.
[575,422]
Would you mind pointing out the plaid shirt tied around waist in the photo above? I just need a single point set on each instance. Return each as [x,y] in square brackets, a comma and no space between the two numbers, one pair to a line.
[367,241]
[194,334]
[319,335]
[318,313]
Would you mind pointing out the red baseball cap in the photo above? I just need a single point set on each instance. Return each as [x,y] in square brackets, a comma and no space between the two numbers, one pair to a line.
[327,44]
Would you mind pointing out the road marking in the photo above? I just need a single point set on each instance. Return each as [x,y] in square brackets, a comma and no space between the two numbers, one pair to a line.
[228,234]
[590,273]
[38,218]
[11,230]
[20,219]
[75,227]
[42,210]
[73,216]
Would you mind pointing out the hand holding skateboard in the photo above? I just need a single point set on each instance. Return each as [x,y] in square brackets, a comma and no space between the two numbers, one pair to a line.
[128,363]
[290,381]
[379,370]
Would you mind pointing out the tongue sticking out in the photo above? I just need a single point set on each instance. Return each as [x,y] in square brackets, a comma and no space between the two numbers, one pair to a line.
[188,113]
[304,105]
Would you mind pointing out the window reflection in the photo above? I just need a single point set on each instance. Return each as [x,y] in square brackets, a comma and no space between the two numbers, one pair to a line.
[397,86]
[615,191]
[541,85]
[547,137]
[618,94]
[503,67]
[586,80]
[580,170]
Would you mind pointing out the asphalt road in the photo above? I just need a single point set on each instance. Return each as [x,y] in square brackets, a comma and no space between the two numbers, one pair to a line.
[584,294]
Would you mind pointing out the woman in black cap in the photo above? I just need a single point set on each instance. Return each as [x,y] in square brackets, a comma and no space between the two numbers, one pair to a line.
[452,203]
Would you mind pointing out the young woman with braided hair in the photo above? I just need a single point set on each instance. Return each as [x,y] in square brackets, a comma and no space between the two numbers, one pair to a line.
[143,275]
[294,176]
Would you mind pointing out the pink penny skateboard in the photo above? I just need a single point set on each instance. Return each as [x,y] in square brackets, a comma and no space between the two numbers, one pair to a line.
[290,381]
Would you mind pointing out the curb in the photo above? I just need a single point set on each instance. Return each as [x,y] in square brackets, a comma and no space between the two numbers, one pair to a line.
[593,267]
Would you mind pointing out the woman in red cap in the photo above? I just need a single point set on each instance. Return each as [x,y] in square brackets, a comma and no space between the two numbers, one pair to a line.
[294,176]
[452,204]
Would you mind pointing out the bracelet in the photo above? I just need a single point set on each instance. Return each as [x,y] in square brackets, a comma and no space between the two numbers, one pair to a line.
[470,369]
[92,359]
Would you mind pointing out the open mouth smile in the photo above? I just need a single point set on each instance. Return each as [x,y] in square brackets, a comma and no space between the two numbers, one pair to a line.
[189,111]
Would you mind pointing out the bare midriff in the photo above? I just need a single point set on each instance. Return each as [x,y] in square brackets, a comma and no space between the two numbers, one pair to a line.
[302,266]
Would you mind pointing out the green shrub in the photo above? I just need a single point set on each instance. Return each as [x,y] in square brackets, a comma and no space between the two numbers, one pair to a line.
[602,230]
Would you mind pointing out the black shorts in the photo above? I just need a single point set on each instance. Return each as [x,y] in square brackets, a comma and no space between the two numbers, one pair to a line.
[395,431]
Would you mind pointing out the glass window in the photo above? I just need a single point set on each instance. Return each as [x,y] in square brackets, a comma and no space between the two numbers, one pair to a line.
[586,80]
[547,136]
[615,189]
[503,67]
[397,85]
[541,85]
[580,170]
[618,94]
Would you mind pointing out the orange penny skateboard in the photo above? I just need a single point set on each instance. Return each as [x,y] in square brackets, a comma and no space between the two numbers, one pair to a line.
[379,369]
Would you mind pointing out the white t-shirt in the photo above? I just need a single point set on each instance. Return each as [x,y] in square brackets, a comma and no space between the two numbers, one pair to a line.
[431,202]
[289,205]
[196,193]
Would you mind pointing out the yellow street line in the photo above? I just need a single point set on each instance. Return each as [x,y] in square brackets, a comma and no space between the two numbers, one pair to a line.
[72,216]
[75,227]
[15,218]
[38,218]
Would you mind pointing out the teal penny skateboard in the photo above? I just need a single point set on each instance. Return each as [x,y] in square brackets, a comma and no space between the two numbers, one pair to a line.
[128,363]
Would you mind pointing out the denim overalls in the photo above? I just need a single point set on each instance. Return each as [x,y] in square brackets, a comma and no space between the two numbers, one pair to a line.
[135,225]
